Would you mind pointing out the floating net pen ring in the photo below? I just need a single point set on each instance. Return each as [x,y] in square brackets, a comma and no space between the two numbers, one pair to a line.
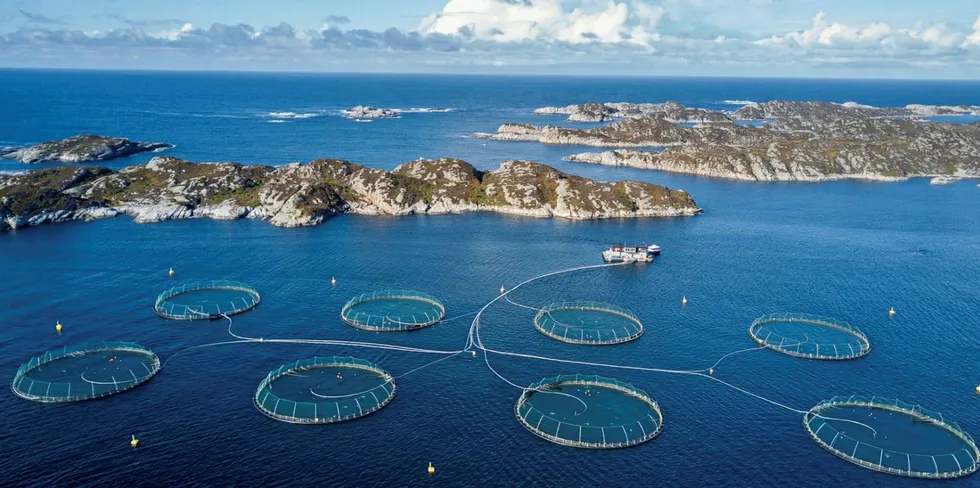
[288,396]
[197,300]
[588,322]
[59,375]
[958,453]
[629,418]
[392,310]
[809,336]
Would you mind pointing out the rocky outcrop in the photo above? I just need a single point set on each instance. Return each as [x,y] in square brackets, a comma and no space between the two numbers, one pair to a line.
[298,195]
[604,112]
[823,111]
[811,160]
[635,132]
[802,141]
[600,112]
[81,149]
[365,112]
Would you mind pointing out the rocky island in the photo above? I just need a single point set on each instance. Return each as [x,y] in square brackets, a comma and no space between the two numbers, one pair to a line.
[297,195]
[82,148]
[605,112]
[801,141]
[365,112]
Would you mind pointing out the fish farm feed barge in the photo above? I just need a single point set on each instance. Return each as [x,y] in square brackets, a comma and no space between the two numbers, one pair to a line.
[622,253]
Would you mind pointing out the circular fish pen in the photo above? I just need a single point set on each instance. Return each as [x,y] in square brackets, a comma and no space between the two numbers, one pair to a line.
[892,437]
[85,372]
[392,310]
[324,390]
[590,412]
[206,300]
[810,336]
[587,322]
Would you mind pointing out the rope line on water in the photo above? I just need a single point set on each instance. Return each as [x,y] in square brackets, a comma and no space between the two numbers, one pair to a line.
[475,341]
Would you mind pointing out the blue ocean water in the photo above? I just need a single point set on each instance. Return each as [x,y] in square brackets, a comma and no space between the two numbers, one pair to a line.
[849,250]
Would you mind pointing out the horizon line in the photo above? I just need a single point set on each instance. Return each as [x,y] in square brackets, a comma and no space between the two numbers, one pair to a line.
[475,74]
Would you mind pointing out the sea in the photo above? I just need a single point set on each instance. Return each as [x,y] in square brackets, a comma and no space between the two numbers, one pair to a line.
[850,250]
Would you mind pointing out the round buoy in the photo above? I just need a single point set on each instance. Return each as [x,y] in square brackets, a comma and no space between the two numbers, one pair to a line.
[711,371]
[978,389]
[891,312]
[474,355]
[57,327]
[171,271]
[134,442]
[333,281]
[684,300]
[432,469]
[502,288]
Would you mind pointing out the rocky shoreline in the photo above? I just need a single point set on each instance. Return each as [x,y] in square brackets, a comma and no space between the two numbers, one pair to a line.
[83,148]
[800,141]
[297,195]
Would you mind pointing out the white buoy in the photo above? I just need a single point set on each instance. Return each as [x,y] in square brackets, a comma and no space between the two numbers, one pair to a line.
[684,300]
[171,271]
[502,289]
[333,281]
[891,312]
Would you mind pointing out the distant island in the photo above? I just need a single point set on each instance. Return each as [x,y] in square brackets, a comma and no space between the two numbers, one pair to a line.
[789,141]
[297,195]
[366,112]
[83,148]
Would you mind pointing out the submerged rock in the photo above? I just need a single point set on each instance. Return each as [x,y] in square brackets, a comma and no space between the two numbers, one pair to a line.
[299,195]
[81,149]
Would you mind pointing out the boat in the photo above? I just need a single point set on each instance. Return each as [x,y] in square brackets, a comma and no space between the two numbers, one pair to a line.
[622,253]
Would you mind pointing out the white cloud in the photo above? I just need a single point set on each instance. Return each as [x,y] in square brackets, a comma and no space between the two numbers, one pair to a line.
[546,21]
[635,35]
[974,38]
[822,34]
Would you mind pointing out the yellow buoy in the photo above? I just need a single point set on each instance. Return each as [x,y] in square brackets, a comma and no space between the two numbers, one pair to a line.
[432,469]
[171,271]
[57,327]
[684,300]
[978,389]
[333,281]
[134,442]
[891,312]
[502,288]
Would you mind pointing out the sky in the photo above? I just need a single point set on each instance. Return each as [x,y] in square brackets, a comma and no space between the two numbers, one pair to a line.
[785,38]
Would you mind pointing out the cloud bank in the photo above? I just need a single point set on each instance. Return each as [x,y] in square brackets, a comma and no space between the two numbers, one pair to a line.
[547,34]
